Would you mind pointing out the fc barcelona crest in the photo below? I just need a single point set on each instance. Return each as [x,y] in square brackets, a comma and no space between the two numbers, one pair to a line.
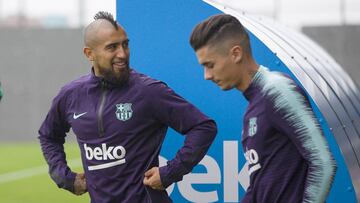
[252,126]
[123,111]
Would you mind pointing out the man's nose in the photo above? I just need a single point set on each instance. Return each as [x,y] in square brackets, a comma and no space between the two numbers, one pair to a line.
[207,74]
[121,52]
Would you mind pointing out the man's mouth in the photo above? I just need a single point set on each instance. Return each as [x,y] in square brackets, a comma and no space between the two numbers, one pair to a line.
[120,65]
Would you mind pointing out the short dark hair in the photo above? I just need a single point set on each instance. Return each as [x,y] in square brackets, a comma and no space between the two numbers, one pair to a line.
[106,16]
[218,28]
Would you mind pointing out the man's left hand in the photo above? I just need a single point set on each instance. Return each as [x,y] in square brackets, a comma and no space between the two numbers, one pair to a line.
[152,179]
[80,184]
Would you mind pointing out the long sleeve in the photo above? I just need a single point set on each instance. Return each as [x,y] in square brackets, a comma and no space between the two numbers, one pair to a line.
[290,112]
[52,138]
[199,131]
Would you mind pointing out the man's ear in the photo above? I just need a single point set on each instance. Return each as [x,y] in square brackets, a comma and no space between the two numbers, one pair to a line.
[88,53]
[236,53]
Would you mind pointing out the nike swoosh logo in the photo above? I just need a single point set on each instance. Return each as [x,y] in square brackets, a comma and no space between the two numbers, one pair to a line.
[79,115]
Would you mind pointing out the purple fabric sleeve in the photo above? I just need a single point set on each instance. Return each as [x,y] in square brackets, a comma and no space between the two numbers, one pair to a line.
[290,113]
[199,131]
[52,138]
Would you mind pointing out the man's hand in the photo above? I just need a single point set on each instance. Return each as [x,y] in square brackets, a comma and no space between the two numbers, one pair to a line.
[80,184]
[152,179]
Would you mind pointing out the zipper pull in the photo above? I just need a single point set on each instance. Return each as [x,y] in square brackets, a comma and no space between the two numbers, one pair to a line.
[104,84]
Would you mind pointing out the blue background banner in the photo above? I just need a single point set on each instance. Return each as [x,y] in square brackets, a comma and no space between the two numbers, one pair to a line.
[159,42]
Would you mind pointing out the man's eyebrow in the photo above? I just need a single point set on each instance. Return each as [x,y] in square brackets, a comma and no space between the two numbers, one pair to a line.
[112,43]
[206,63]
[118,42]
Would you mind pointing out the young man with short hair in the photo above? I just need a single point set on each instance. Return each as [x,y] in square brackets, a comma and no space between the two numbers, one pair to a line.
[287,154]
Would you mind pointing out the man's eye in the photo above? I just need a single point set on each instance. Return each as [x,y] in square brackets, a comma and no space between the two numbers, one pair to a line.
[125,45]
[112,47]
[210,65]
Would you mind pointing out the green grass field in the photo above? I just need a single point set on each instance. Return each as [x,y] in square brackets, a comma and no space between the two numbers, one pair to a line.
[24,177]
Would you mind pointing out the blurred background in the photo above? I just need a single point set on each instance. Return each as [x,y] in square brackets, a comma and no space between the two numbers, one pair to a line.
[41,49]
[49,14]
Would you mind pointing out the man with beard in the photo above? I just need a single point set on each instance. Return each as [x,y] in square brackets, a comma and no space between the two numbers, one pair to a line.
[120,118]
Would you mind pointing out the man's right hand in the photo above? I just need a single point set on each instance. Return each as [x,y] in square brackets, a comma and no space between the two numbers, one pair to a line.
[80,184]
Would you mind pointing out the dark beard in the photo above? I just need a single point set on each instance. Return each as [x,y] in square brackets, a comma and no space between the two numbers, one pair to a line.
[118,80]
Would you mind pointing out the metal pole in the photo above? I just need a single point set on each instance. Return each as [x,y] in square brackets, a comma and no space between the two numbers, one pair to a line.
[21,21]
[276,9]
[82,13]
[342,12]
[1,7]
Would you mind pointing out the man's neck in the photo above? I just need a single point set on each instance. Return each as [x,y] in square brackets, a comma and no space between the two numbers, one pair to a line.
[97,72]
[252,67]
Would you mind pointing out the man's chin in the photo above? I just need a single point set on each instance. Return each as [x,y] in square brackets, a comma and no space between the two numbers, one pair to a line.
[225,88]
[119,77]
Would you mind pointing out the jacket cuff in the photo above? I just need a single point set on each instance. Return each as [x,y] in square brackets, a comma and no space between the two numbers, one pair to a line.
[169,175]
[66,182]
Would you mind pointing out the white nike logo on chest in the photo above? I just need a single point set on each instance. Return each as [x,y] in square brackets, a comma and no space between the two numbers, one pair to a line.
[79,115]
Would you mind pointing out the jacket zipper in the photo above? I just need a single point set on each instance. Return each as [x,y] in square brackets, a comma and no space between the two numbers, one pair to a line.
[101,109]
